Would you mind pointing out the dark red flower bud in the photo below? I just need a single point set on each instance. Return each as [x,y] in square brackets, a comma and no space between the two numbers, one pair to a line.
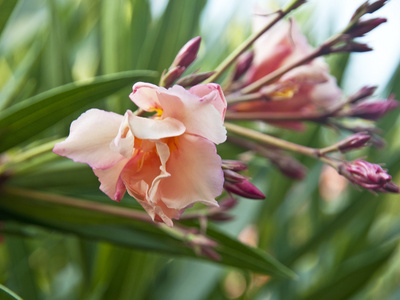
[353,142]
[363,27]
[364,92]
[373,109]
[172,75]
[234,165]
[244,189]
[367,175]
[194,79]
[243,64]
[187,54]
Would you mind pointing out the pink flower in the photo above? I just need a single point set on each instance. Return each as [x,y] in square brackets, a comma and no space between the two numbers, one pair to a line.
[166,162]
[306,88]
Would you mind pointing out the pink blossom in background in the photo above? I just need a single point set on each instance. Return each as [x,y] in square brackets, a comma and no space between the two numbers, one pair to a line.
[168,161]
[307,88]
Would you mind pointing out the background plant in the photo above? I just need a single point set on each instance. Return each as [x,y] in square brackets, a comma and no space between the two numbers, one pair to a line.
[340,246]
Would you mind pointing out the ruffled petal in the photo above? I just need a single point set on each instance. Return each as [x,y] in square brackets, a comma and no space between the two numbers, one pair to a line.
[90,137]
[199,115]
[124,141]
[213,94]
[196,174]
[111,181]
[145,96]
[154,129]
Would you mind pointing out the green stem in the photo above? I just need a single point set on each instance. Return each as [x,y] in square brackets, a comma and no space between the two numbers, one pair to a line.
[279,143]
[270,140]
[250,40]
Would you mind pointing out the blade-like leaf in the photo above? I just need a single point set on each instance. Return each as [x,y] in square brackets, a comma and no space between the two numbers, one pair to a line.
[7,294]
[30,117]
[354,275]
[26,206]
[6,8]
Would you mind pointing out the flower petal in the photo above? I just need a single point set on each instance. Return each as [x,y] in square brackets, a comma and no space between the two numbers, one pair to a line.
[111,182]
[145,96]
[199,115]
[90,137]
[196,174]
[212,93]
[154,129]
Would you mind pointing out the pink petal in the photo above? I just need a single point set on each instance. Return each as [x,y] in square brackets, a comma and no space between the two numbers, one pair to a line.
[90,137]
[211,93]
[111,182]
[199,115]
[145,96]
[196,174]
[154,129]
[124,141]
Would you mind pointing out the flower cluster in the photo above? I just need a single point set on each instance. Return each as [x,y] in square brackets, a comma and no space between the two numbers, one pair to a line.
[164,154]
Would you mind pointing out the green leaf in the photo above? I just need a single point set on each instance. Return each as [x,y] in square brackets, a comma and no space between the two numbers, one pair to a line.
[7,294]
[30,117]
[6,8]
[38,208]
[354,274]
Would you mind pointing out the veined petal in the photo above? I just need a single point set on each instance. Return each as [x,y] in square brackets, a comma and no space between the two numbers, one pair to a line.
[111,181]
[199,115]
[154,129]
[196,174]
[90,137]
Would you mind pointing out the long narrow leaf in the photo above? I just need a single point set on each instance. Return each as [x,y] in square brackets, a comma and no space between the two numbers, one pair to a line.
[32,116]
[26,207]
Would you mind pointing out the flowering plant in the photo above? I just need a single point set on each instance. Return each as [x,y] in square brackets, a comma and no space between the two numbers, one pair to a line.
[263,143]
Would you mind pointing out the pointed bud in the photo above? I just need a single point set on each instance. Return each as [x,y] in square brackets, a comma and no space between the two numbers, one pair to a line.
[373,109]
[373,7]
[234,165]
[353,142]
[243,64]
[194,79]
[233,177]
[367,175]
[244,189]
[171,76]
[364,92]
[363,27]
[187,54]
[368,8]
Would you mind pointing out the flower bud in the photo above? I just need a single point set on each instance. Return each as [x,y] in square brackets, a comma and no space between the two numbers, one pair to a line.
[373,109]
[363,27]
[364,92]
[187,54]
[194,79]
[243,64]
[244,189]
[233,165]
[367,175]
[353,142]
[172,75]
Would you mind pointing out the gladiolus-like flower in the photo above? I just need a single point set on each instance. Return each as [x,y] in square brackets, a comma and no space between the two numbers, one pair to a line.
[166,162]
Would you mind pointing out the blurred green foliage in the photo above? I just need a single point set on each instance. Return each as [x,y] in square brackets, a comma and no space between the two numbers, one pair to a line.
[59,58]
